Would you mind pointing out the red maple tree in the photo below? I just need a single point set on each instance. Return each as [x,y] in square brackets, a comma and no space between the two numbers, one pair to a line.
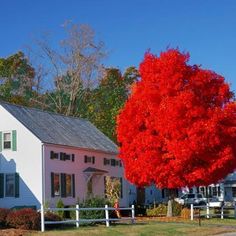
[178,128]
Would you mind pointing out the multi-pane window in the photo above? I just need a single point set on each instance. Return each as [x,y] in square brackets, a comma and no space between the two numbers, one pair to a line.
[7,140]
[10,185]
[56,184]
[62,185]
[68,185]
[214,191]
[234,191]
[112,162]
[89,159]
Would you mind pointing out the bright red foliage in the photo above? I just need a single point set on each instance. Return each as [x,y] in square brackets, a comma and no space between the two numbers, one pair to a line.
[178,128]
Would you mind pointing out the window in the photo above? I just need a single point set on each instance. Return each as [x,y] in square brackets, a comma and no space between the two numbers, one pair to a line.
[202,189]
[106,161]
[62,185]
[218,191]
[89,159]
[234,191]
[56,185]
[113,162]
[68,185]
[7,140]
[214,191]
[163,193]
[10,185]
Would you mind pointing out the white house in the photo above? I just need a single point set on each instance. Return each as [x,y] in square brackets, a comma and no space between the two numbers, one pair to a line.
[45,157]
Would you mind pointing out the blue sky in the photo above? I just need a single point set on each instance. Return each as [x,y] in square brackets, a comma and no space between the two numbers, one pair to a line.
[204,28]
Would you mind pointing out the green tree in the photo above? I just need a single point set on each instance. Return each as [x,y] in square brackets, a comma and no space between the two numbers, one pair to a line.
[16,79]
[109,97]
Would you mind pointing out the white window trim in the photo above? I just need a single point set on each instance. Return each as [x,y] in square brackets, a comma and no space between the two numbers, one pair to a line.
[3,140]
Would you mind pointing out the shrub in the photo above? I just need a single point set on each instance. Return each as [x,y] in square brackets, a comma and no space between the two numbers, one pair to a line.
[93,202]
[50,216]
[60,204]
[161,210]
[3,215]
[24,219]
[185,213]
[176,208]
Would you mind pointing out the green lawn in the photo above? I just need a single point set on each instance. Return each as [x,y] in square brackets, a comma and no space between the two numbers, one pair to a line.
[151,228]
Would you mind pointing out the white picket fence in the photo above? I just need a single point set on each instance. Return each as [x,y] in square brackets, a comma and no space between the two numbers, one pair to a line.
[78,220]
[207,214]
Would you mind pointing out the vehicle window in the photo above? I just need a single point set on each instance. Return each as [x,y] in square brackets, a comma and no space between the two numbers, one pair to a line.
[184,196]
[191,196]
[199,195]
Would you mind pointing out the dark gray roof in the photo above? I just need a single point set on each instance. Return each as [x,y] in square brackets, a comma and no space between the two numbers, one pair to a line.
[62,130]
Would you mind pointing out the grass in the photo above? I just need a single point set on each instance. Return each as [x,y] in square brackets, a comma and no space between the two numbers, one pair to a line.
[150,228]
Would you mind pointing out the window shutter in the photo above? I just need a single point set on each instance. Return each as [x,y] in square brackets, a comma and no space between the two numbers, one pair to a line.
[14,140]
[93,159]
[73,185]
[0,141]
[85,159]
[17,185]
[52,185]
[121,188]
[1,185]
[73,157]
[63,185]
[51,155]
[120,164]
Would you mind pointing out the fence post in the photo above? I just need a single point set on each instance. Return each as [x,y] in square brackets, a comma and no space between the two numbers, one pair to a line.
[222,212]
[132,214]
[234,209]
[77,215]
[107,215]
[191,212]
[207,211]
[42,219]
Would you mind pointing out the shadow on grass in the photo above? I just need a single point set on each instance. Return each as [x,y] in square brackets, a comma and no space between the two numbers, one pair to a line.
[91,226]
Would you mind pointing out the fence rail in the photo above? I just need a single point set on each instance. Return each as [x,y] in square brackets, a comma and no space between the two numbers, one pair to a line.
[78,220]
[207,213]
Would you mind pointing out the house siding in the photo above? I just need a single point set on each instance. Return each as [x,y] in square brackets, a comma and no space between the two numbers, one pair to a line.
[26,161]
[77,167]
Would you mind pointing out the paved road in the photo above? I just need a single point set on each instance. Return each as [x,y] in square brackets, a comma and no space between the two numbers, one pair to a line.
[227,234]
